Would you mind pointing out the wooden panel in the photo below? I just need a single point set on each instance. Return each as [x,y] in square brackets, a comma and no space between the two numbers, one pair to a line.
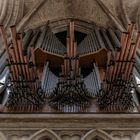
[100,57]
[42,56]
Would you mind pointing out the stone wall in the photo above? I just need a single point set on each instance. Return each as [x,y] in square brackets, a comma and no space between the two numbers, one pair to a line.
[69,126]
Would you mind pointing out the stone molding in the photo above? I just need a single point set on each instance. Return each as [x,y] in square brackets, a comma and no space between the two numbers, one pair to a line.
[70,126]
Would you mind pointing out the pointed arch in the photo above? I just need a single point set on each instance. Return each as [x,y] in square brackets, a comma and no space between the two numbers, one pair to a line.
[2,136]
[45,132]
[96,133]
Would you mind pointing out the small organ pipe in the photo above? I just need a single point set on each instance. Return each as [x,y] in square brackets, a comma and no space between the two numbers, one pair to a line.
[114,38]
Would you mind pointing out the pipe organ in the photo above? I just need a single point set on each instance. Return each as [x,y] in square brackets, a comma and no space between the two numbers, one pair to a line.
[25,92]
[71,91]
[116,92]
[38,70]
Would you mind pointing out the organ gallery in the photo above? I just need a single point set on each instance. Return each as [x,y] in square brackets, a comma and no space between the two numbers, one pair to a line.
[69,70]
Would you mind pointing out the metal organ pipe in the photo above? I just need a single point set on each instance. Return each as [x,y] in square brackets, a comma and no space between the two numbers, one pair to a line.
[114,38]
[41,38]
[2,51]
[93,81]
[3,79]
[35,38]
[5,98]
[44,75]
[99,38]
[3,62]
[47,41]
[107,40]
[26,41]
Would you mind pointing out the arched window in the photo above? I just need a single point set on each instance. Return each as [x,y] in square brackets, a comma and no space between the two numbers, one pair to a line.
[97,135]
[45,134]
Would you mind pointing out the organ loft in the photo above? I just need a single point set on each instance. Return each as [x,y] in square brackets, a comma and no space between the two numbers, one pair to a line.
[69,70]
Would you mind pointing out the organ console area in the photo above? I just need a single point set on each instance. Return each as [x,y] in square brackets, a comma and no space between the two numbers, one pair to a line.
[39,73]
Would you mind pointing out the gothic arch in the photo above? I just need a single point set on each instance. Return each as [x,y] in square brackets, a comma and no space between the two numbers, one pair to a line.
[2,136]
[45,132]
[96,133]
[61,24]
